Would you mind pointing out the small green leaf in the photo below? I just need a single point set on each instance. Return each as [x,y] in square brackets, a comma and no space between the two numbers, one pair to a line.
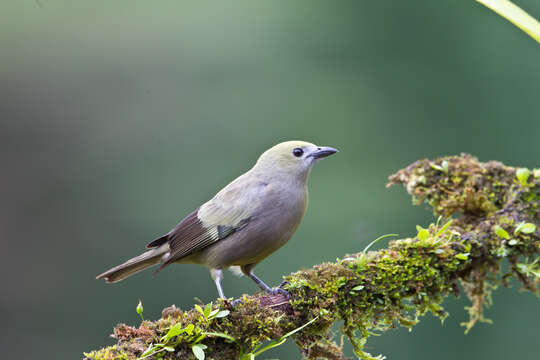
[189,329]
[221,335]
[444,166]
[462,256]
[222,313]
[522,268]
[436,167]
[207,310]
[169,348]
[199,338]
[199,309]
[444,227]
[175,330]
[422,234]
[522,175]
[525,228]
[501,232]
[198,351]
[512,242]
[529,269]
[357,288]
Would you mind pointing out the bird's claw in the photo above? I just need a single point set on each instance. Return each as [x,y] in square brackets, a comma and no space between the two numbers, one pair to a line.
[280,291]
[236,302]
[274,292]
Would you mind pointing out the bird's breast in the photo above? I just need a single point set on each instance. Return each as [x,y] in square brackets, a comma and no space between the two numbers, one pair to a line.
[276,221]
[273,222]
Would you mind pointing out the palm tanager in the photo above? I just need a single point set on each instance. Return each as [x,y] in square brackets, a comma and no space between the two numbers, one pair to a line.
[248,220]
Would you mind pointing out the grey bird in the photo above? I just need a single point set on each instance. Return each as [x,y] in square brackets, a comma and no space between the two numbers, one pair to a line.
[249,219]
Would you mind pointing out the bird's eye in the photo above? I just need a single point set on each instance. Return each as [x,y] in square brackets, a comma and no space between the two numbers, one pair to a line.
[298,152]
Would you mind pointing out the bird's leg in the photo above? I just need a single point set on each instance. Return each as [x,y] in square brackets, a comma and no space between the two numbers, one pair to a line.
[260,283]
[249,272]
[217,275]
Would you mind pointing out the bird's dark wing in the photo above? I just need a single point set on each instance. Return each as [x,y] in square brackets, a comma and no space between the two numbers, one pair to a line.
[228,212]
[191,235]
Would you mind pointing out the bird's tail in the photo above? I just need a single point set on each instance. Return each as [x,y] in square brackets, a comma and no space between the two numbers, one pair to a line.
[134,265]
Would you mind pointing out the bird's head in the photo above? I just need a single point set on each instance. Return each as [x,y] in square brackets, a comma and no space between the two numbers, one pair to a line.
[293,158]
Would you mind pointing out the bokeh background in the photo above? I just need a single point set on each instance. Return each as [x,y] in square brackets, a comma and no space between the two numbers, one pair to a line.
[119,118]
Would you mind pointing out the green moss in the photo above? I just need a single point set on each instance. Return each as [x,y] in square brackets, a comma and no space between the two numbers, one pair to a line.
[108,353]
[380,290]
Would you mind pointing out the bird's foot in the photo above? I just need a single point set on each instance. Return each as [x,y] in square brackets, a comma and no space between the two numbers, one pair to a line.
[279,291]
[236,302]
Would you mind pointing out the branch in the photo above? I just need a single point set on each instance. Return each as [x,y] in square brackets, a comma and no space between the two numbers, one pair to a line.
[496,212]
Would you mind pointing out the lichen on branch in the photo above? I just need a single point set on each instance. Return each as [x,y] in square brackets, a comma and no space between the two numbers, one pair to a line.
[487,213]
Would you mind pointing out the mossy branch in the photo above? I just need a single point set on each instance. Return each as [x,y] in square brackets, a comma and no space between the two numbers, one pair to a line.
[496,212]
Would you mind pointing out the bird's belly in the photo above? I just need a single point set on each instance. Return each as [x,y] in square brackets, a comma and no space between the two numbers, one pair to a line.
[252,244]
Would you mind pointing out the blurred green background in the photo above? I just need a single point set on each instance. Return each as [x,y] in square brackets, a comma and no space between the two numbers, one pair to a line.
[119,118]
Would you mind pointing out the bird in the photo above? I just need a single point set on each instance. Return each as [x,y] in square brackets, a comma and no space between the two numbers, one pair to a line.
[245,222]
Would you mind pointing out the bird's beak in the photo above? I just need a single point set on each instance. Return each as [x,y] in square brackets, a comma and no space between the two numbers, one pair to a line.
[323,151]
